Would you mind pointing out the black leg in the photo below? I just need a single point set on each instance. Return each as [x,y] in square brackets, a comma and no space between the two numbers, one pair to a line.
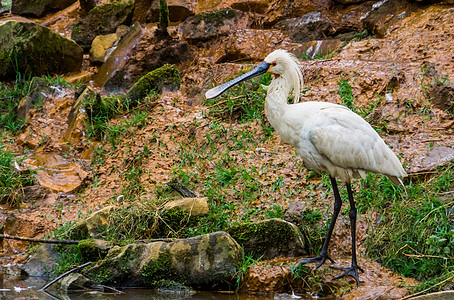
[353,270]
[323,256]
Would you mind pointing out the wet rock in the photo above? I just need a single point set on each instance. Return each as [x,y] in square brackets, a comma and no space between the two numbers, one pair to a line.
[281,10]
[76,282]
[36,193]
[166,77]
[194,206]
[256,6]
[56,172]
[211,25]
[312,26]
[93,249]
[39,92]
[42,262]
[100,45]
[179,10]
[269,238]
[37,50]
[88,5]
[438,156]
[102,20]
[319,49]
[38,8]
[202,262]
[145,53]
[384,14]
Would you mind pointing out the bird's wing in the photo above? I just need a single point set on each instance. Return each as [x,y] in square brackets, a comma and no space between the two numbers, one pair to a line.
[349,142]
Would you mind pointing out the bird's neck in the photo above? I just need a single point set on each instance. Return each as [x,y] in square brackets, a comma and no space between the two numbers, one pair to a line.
[276,100]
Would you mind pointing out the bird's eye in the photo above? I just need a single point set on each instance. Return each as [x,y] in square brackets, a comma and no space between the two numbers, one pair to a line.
[273,63]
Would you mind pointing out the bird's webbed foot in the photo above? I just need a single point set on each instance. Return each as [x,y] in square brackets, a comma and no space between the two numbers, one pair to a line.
[320,259]
[351,271]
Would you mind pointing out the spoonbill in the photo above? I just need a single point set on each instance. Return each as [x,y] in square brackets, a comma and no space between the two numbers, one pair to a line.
[328,137]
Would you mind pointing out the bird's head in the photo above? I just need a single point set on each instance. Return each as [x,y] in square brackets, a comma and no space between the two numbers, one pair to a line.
[279,62]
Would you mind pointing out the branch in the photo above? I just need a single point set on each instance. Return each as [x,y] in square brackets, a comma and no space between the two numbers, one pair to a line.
[18,238]
[63,275]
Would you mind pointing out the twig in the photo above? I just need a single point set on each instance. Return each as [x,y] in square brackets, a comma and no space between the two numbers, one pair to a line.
[433,211]
[63,275]
[18,238]
[426,290]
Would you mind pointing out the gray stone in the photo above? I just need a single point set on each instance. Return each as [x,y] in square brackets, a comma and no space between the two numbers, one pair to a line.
[42,263]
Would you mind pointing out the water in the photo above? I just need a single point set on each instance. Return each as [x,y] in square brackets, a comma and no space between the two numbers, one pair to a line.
[29,288]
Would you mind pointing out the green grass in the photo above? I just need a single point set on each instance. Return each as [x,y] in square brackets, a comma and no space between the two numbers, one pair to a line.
[12,181]
[10,96]
[414,235]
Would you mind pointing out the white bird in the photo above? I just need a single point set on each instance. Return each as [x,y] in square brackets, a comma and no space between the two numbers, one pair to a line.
[328,137]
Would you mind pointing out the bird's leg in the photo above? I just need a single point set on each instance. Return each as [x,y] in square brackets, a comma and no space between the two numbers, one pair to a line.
[353,270]
[323,256]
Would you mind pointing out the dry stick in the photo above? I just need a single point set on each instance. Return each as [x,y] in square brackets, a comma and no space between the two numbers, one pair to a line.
[11,237]
[422,292]
[63,275]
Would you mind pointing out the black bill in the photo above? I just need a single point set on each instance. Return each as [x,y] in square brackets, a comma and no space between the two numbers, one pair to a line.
[216,91]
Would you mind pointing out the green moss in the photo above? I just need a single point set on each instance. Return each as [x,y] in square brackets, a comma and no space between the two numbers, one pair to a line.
[157,270]
[91,251]
[257,238]
[165,76]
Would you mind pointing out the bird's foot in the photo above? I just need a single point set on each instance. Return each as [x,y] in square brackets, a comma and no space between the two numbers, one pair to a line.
[318,259]
[352,271]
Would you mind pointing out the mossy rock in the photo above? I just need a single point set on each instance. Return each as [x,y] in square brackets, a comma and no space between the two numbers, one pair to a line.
[166,76]
[93,250]
[102,20]
[269,238]
[38,8]
[204,262]
[29,48]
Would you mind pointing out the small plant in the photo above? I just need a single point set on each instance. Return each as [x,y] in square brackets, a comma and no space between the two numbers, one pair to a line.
[12,181]
[345,92]
[241,270]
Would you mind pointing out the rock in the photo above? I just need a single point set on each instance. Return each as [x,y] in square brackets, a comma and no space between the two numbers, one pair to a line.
[56,172]
[102,20]
[319,49]
[203,262]
[39,7]
[93,225]
[194,206]
[211,25]
[42,262]
[166,77]
[179,10]
[39,92]
[37,51]
[256,6]
[438,156]
[100,45]
[76,282]
[269,238]
[444,295]
[281,10]
[93,249]
[311,26]
[145,52]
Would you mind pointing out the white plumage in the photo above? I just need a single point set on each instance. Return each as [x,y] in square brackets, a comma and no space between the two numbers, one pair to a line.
[329,138]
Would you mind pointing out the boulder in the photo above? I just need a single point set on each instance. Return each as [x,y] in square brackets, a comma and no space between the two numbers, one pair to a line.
[194,206]
[100,45]
[211,25]
[145,53]
[93,250]
[281,10]
[203,262]
[102,20]
[165,77]
[309,27]
[38,8]
[42,262]
[29,48]
[39,92]
[269,238]
[148,11]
